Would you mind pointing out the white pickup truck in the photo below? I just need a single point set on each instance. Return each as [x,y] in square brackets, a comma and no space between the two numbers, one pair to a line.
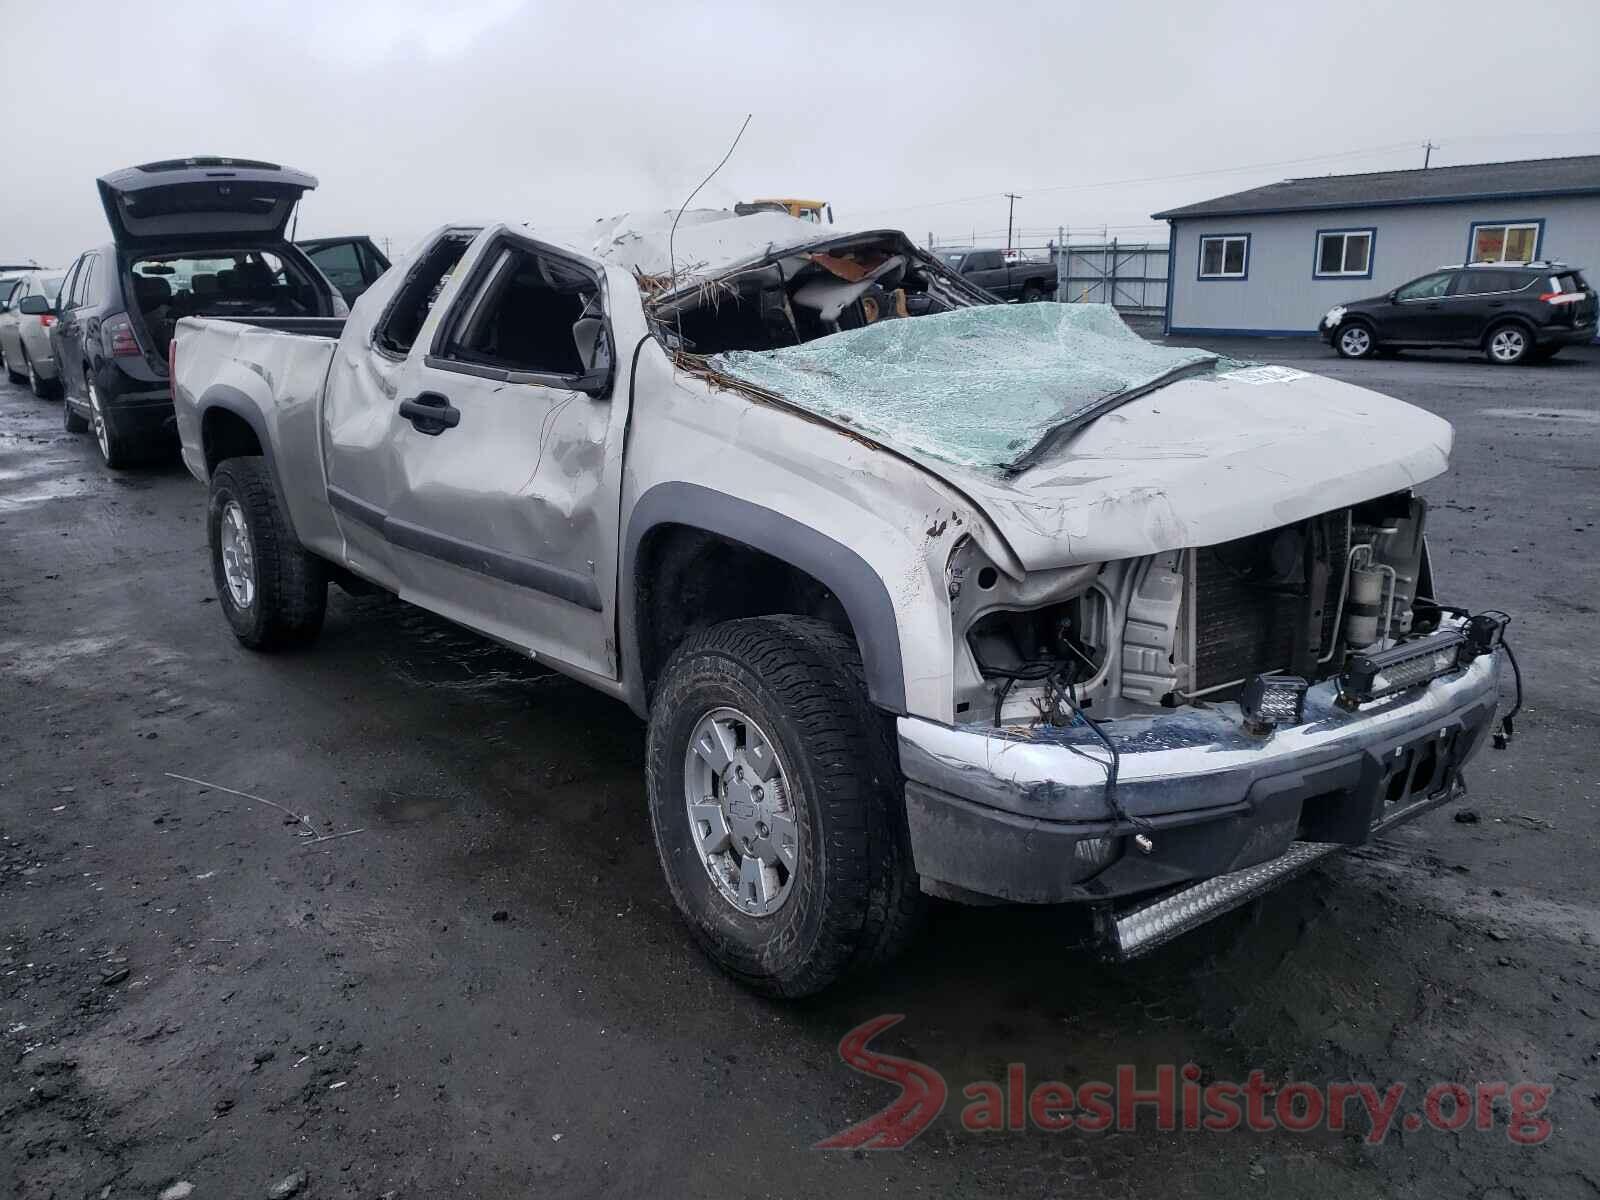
[918,594]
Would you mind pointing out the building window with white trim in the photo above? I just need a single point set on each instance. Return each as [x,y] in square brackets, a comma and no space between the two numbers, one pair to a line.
[1343,253]
[1226,256]
[1505,242]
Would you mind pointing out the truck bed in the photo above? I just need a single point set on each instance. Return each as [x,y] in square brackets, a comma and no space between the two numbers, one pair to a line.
[268,372]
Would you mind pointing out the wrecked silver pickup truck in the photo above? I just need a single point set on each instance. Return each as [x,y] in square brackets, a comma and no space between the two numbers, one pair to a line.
[918,594]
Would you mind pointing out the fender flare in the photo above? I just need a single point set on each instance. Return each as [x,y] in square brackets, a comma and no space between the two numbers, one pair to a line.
[1517,319]
[841,570]
[231,400]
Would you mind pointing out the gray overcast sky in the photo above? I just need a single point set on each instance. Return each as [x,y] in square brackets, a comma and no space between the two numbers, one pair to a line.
[556,112]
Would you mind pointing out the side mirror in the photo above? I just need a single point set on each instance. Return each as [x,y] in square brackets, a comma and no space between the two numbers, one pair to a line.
[594,351]
[593,383]
[34,306]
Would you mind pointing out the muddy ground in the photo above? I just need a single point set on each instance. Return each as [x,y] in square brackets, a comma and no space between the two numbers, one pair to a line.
[485,992]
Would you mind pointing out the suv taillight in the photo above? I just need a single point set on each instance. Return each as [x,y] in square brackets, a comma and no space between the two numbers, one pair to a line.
[46,320]
[121,342]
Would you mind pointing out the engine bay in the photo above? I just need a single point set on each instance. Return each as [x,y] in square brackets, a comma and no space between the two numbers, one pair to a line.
[1191,626]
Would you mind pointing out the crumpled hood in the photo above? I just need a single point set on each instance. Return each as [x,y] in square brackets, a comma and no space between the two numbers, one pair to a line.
[1204,461]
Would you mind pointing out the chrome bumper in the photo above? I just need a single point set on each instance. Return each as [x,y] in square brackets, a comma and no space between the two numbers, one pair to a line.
[1020,813]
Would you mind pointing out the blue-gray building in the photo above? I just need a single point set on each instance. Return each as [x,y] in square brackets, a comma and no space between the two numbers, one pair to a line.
[1273,259]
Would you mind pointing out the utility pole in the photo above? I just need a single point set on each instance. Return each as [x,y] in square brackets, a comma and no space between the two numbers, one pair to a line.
[1011,210]
[1427,153]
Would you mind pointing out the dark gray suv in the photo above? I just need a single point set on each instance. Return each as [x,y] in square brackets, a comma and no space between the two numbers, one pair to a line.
[192,237]
[1513,312]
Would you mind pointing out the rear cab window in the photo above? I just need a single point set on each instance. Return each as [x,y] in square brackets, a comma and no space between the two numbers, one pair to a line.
[403,320]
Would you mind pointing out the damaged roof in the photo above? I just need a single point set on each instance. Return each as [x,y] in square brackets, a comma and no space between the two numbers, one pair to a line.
[707,240]
[1575,176]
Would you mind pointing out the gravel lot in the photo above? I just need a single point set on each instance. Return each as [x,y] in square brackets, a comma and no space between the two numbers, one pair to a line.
[485,991]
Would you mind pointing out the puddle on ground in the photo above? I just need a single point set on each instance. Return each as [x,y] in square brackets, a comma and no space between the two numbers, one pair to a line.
[1579,416]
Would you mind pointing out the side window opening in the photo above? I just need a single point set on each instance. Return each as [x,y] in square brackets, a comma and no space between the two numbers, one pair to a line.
[398,330]
[1429,287]
[534,314]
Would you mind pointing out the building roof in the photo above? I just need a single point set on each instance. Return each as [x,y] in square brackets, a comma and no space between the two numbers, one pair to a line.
[1574,176]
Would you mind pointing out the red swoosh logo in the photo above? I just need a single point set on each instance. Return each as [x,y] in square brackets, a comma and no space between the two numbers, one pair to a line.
[921,1099]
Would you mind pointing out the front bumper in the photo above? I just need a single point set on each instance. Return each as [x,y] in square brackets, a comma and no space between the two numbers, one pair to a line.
[1021,814]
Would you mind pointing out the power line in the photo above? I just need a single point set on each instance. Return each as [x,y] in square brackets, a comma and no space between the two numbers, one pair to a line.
[1389,147]
[1074,187]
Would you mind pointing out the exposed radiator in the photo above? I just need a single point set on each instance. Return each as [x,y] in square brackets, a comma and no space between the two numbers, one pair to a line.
[1244,606]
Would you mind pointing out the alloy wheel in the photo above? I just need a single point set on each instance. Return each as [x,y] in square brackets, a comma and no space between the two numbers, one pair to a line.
[1508,345]
[741,812]
[1355,341]
[238,556]
[97,418]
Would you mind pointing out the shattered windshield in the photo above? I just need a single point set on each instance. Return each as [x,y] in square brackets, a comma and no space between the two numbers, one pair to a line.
[979,386]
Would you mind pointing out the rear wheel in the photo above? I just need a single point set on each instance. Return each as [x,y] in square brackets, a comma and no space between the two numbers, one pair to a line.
[1507,345]
[1355,340]
[1032,293]
[776,805]
[42,387]
[115,447]
[272,590]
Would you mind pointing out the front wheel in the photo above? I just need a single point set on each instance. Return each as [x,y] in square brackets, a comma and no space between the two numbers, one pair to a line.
[1356,341]
[776,805]
[1508,345]
[272,590]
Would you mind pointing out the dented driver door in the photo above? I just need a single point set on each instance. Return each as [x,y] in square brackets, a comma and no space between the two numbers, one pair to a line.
[506,438]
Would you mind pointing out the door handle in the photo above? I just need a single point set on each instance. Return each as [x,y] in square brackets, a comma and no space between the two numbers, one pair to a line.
[430,413]
[1497,304]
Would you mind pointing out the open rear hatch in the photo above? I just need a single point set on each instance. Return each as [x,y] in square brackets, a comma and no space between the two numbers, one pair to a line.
[186,200]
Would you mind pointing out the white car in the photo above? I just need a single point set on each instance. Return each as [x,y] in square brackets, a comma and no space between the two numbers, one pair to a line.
[26,316]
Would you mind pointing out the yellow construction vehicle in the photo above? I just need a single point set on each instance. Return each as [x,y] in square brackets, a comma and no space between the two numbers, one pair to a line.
[805,210]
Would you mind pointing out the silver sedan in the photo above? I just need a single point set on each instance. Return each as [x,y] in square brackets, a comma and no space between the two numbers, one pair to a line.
[25,320]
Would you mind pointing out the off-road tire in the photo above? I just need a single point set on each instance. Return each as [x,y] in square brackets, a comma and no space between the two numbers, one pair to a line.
[855,898]
[291,584]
